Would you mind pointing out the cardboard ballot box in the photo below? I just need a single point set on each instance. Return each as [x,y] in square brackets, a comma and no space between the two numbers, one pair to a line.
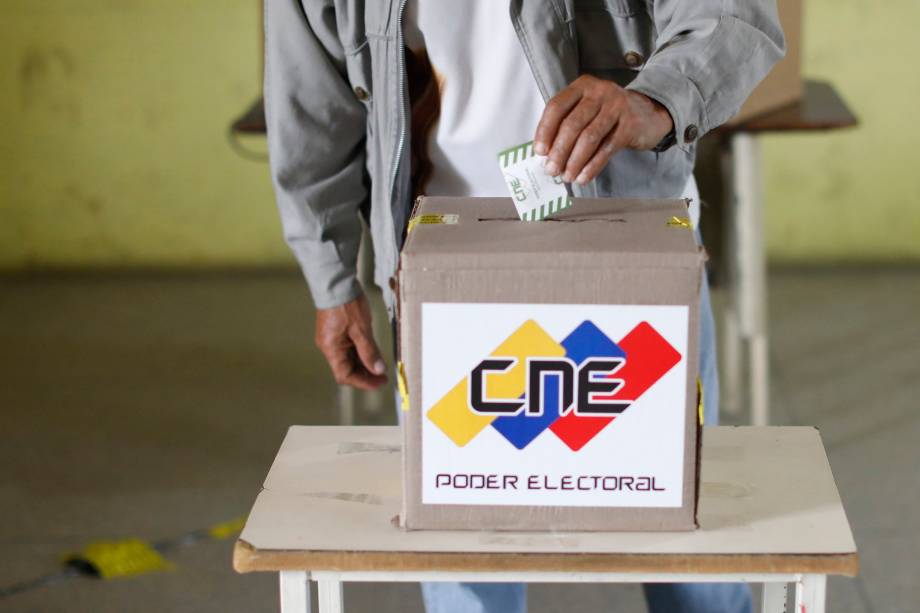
[549,369]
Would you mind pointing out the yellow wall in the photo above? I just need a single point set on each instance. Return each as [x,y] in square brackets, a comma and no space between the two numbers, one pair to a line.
[853,195]
[113,145]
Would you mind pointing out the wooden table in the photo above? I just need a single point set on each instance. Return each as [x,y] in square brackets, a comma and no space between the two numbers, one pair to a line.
[744,338]
[769,512]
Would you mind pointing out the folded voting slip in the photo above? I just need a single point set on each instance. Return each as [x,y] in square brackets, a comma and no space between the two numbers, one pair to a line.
[536,194]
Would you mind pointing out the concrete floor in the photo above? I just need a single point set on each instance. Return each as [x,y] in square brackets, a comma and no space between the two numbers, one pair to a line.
[152,405]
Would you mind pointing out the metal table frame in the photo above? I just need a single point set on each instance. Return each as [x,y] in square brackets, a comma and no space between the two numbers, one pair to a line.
[745,334]
[810,589]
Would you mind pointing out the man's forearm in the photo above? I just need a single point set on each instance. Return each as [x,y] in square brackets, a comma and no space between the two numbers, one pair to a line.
[710,54]
[316,130]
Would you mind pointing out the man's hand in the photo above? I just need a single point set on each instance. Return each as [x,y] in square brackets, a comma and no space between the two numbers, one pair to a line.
[590,120]
[345,336]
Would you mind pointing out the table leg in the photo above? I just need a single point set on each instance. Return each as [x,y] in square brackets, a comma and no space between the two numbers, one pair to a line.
[330,596]
[774,598]
[751,271]
[810,594]
[730,346]
[295,591]
[760,384]
[345,395]
[731,355]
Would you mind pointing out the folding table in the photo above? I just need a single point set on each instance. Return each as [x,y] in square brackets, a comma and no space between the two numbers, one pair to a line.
[769,512]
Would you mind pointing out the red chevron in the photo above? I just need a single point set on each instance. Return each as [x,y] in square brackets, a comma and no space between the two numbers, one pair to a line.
[648,358]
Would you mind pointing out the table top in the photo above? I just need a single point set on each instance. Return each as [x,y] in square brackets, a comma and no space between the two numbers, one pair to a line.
[820,108]
[252,121]
[768,504]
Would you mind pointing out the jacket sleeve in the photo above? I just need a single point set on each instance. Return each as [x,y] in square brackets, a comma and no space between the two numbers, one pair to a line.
[316,130]
[709,55]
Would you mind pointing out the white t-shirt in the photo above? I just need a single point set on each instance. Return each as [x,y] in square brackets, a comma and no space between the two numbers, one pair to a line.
[489,100]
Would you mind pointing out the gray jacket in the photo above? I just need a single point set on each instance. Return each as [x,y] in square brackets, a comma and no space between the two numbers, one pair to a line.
[337,108]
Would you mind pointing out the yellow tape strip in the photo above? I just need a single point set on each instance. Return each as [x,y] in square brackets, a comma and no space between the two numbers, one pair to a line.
[226,529]
[679,222]
[433,219]
[699,399]
[123,558]
[401,384]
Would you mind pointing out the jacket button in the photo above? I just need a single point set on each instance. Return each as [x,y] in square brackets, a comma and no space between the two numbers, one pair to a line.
[362,94]
[633,59]
[691,133]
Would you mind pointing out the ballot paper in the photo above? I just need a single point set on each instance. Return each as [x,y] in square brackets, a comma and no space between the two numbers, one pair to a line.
[535,192]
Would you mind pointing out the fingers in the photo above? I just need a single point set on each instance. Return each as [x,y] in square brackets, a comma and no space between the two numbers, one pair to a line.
[359,377]
[556,110]
[344,335]
[348,367]
[347,370]
[614,141]
[576,122]
[569,131]
[588,143]
[363,338]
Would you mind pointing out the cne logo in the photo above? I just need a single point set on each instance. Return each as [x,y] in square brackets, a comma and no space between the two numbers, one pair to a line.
[517,187]
[587,383]
[574,387]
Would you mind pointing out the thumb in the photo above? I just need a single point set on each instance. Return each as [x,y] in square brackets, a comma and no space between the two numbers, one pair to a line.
[366,347]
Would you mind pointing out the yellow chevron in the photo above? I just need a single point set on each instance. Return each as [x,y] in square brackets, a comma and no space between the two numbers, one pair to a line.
[452,413]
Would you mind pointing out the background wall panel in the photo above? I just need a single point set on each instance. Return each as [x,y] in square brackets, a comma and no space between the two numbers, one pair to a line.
[114,151]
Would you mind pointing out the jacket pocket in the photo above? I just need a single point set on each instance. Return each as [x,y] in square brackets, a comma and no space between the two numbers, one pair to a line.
[613,34]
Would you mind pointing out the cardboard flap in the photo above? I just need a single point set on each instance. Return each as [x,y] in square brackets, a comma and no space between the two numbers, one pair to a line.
[485,233]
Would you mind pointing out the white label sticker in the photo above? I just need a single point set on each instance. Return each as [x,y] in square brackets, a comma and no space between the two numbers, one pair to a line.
[553,404]
[536,194]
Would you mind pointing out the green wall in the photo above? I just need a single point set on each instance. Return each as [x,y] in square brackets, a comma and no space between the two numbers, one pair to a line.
[114,150]
[853,195]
